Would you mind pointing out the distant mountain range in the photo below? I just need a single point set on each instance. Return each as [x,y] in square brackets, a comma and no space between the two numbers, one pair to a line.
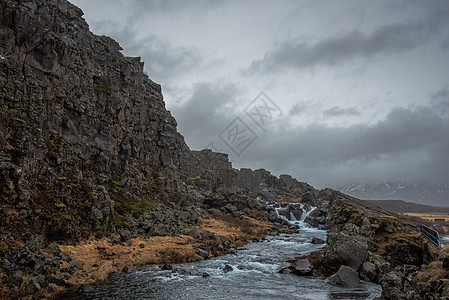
[401,206]
[437,195]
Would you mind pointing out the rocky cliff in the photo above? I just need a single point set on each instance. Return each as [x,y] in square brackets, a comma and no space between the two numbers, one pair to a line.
[78,119]
[87,148]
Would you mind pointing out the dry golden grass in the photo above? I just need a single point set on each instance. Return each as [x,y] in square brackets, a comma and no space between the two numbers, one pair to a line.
[386,242]
[445,249]
[430,216]
[288,199]
[99,258]
[434,271]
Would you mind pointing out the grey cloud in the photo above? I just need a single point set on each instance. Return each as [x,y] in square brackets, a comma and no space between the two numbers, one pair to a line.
[146,7]
[338,111]
[440,99]
[393,38]
[162,60]
[442,94]
[206,113]
[389,39]
[445,45]
[302,107]
[410,144]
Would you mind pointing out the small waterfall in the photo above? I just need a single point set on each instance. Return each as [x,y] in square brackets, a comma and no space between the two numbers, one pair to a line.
[293,218]
[277,209]
[306,213]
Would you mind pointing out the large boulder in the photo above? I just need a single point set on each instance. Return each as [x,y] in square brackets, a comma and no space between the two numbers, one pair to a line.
[302,267]
[317,217]
[345,276]
[317,241]
[392,286]
[368,271]
[344,249]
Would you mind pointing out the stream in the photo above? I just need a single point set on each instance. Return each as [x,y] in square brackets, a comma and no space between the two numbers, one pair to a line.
[254,275]
[444,239]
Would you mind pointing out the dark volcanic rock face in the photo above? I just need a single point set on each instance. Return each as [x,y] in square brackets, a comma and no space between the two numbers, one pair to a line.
[77,118]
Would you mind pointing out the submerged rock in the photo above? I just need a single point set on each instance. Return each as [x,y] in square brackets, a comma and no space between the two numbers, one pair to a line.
[302,267]
[345,276]
[228,268]
[317,241]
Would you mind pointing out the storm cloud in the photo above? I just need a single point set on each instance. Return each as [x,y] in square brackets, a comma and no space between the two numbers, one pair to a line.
[338,111]
[411,143]
[386,40]
[206,112]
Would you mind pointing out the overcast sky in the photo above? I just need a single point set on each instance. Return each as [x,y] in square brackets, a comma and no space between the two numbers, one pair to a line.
[352,91]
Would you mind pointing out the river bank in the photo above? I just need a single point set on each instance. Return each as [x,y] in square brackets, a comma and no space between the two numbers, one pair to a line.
[93,261]
[251,272]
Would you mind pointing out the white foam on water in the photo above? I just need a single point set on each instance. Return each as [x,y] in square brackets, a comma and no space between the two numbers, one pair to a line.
[293,220]
[444,239]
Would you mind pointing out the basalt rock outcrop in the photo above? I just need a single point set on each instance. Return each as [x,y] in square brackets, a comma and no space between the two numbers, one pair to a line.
[382,247]
[82,127]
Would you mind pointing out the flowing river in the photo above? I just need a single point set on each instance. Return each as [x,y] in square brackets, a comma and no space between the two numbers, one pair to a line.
[444,239]
[255,275]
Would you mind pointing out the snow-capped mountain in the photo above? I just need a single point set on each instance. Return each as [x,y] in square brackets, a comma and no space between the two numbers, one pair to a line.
[437,195]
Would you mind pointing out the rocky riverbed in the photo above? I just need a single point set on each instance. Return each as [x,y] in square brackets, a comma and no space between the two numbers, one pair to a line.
[249,272]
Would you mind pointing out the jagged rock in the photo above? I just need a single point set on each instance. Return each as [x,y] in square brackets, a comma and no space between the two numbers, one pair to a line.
[222,240]
[33,286]
[228,268]
[166,267]
[203,253]
[125,235]
[343,249]
[207,235]
[86,289]
[345,276]
[302,267]
[55,250]
[291,212]
[368,271]
[232,251]
[76,265]
[446,262]
[391,286]
[317,241]
[286,271]
[194,233]
[317,217]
